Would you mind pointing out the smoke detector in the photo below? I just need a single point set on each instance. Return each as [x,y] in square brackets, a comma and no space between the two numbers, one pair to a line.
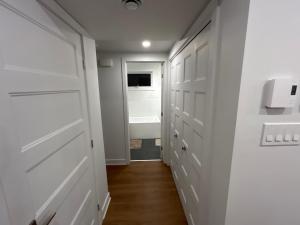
[132,4]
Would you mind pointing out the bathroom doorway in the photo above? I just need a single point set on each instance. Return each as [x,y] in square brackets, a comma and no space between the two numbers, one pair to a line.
[144,101]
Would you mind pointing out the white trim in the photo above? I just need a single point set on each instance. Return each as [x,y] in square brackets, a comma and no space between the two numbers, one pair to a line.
[165,134]
[204,16]
[154,58]
[203,20]
[125,109]
[147,160]
[105,205]
[127,58]
[116,162]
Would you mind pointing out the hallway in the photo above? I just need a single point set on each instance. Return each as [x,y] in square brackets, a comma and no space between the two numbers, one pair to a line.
[137,112]
[143,193]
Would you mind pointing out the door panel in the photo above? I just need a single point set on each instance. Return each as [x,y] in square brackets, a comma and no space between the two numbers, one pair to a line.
[191,109]
[47,169]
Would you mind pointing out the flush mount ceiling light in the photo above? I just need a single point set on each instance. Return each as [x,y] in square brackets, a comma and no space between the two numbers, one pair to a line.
[146,44]
[132,4]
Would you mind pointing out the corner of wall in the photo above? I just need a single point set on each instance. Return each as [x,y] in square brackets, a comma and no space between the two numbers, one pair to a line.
[264,182]
[232,34]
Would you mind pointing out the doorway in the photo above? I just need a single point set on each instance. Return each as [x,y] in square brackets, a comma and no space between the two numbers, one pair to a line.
[144,100]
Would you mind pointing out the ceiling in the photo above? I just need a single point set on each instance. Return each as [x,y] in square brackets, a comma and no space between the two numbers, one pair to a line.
[117,29]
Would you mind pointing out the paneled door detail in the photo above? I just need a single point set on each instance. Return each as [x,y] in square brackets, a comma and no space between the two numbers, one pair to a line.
[191,114]
[45,160]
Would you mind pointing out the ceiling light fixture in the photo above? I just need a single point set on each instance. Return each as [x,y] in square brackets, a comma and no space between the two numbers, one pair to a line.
[146,44]
[132,4]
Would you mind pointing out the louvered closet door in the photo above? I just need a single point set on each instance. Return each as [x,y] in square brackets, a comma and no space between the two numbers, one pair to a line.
[191,112]
[45,158]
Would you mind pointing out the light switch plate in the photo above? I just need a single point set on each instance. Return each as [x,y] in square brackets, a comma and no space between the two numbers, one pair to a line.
[280,134]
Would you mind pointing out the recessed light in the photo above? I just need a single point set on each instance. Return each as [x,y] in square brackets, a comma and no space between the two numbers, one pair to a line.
[146,44]
[132,4]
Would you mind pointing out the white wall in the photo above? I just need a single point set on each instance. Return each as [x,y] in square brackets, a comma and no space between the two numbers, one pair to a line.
[145,101]
[112,108]
[265,181]
[232,34]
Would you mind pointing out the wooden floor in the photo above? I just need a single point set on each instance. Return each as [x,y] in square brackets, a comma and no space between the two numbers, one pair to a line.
[143,193]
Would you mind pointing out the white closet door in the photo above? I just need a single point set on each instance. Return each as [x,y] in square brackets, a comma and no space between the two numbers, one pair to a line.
[191,110]
[45,160]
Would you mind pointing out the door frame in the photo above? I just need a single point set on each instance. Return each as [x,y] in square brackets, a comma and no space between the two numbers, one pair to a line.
[153,58]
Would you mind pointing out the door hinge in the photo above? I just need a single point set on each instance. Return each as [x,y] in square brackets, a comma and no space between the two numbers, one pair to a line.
[162,114]
[83,64]
[98,207]
[162,75]
[92,143]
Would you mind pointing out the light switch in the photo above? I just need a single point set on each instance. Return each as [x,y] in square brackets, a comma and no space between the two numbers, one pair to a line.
[296,137]
[276,134]
[287,138]
[278,138]
[269,138]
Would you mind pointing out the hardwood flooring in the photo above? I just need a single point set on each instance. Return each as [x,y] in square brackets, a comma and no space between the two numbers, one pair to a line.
[143,193]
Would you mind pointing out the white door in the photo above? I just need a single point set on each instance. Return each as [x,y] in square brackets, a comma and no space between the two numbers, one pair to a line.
[191,103]
[96,124]
[45,159]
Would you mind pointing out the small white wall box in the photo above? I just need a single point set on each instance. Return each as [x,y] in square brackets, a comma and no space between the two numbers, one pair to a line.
[281,92]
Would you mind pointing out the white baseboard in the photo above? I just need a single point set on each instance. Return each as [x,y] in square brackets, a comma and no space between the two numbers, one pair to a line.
[105,205]
[116,162]
[146,160]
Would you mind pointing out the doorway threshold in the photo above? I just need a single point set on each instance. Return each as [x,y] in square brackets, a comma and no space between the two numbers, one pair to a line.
[145,160]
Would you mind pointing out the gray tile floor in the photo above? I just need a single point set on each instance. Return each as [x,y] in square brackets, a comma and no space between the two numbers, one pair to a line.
[148,151]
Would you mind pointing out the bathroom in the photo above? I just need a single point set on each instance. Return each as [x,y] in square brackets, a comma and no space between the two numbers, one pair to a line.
[144,87]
